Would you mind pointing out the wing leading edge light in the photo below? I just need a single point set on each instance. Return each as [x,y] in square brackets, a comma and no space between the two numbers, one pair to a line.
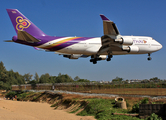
[99,48]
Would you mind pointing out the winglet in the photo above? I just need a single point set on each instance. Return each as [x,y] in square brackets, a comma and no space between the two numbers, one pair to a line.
[104,18]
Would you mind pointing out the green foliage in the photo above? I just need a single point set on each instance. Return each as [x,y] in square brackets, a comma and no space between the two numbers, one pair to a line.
[36,77]
[63,78]
[54,105]
[32,82]
[76,78]
[96,106]
[44,78]
[8,78]
[135,108]
[117,80]
[144,101]
[27,77]
[23,95]
[102,109]
[10,95]
[153,117]
[83,80]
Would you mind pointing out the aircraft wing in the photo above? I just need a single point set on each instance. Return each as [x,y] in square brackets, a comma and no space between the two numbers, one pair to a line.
[107,41]
[24,36]
[109,26]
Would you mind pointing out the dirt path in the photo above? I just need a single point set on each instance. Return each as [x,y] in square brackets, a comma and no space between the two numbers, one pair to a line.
[16,110]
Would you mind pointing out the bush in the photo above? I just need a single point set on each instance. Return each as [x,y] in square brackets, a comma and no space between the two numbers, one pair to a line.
[153,117]
[144,101]
[10,95]
[135,108]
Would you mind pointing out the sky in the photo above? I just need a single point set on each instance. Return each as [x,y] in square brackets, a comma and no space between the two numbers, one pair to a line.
[81,18]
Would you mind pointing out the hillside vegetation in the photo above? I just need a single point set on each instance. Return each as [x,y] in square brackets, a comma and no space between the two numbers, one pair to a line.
[100,107]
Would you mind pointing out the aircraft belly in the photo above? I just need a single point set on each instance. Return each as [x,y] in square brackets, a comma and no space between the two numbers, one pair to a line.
[145,48]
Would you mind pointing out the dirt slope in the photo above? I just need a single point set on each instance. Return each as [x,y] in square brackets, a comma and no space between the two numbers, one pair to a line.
[16,110]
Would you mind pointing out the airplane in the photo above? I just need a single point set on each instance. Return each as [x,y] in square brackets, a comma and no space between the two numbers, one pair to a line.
[98,48]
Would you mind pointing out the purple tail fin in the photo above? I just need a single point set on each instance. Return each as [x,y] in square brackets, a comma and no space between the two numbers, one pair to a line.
[21,23]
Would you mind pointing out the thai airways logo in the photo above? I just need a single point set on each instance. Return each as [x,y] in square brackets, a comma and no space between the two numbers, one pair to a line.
[144,41]
[22,23]
[140,41]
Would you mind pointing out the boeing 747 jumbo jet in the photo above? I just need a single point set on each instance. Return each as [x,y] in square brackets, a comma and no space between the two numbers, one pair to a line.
[98,48]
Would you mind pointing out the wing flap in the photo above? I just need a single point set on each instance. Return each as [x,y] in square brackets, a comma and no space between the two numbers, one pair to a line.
[106,44]
[24,36]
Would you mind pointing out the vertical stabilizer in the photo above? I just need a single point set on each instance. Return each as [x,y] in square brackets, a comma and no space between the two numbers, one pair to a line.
[21,23]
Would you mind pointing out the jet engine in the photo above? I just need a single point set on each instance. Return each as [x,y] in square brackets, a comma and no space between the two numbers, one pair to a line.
[124,41]
[131,49]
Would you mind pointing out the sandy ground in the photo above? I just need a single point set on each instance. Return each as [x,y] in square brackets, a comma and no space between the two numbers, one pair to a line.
[16,110]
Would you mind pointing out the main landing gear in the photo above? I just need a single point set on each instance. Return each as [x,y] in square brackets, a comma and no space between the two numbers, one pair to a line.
[109,57]
[95,58]
[149,58]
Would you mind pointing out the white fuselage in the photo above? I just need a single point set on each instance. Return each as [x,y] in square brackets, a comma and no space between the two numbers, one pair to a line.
[91,46]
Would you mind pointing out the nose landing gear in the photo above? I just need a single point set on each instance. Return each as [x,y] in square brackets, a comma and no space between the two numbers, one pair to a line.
[149,58]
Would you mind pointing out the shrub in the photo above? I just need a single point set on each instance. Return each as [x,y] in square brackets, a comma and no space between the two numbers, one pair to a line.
[153,117]
[135,108]
[10,95]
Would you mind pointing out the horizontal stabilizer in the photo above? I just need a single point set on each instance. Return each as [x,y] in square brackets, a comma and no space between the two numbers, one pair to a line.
[24,36]
[8,40]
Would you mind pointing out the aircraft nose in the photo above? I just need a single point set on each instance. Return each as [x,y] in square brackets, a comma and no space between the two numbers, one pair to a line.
[156,45]
[159,46]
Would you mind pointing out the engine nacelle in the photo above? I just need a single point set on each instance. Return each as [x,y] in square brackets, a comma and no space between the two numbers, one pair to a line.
[71,56]
[134,49]
[124,41]
[131,49]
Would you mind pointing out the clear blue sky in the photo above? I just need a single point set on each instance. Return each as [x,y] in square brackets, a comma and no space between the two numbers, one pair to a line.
[81,18]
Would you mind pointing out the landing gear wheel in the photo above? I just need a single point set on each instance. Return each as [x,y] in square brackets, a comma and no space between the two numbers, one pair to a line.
[94,62]
[149,58]
[91,60]
[108,59]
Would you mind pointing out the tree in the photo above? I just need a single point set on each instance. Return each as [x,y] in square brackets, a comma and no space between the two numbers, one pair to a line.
[155,79]
[83,80]
[3,76]
[36,77]
[117,80]
[52,79]
[44,78]
[2,67]
[27,77]
[64,78]
[76,78]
